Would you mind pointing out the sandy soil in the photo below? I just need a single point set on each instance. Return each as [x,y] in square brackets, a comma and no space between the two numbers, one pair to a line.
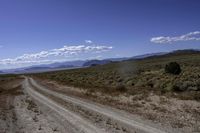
[20,114]
[181,115]
[27,106]
[104,117]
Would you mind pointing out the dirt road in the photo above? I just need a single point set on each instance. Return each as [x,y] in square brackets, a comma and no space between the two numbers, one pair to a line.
[85,116]
[80,124]
[20,114]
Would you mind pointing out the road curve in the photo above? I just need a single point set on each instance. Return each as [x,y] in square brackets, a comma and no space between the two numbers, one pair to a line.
[117,116]
[81,124]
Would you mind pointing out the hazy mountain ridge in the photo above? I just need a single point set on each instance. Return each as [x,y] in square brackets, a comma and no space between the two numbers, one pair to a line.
[87,63]
[96,62]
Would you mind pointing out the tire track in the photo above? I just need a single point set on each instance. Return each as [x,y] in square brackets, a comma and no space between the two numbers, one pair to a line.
[80,124]
[117,116]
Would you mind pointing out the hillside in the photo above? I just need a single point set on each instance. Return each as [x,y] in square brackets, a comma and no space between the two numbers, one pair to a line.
[136,76]
[139,86]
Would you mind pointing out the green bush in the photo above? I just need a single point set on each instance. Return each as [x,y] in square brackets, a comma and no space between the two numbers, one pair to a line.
[173,68]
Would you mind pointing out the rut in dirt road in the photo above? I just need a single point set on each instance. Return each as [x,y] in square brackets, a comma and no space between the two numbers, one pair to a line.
[125,121]
[79,124]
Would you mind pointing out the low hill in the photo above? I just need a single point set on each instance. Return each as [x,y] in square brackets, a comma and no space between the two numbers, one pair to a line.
[96,62]
[136,75]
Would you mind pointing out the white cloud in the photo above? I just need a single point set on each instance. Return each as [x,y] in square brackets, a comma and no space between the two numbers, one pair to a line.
[65,51]
[192,36]
[88,41]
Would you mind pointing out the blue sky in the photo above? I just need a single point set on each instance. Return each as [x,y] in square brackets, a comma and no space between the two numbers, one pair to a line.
[57,30]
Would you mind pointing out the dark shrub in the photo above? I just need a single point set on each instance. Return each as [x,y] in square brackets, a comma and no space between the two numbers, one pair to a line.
[121,88]
[173,68]
[179,87]
[176,88]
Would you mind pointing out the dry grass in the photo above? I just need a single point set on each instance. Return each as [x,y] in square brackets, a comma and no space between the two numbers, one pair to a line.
[136,77]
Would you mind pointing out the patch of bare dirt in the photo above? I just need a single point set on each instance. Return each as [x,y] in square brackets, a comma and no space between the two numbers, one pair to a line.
[20,114]
[183,115]
[9,89]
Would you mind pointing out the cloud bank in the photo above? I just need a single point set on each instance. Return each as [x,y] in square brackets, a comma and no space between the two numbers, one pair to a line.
[65,51]
[192,36]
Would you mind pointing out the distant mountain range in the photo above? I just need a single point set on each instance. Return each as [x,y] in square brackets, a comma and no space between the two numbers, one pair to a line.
[64,64]
[148,55]
[88,63]
[45,67]
[96,62]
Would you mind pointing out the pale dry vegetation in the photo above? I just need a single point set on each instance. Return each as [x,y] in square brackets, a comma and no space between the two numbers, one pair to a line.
[137,76]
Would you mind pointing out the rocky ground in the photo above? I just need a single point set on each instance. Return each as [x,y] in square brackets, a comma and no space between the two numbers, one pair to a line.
[183,115]
[43,106]
[19,114]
